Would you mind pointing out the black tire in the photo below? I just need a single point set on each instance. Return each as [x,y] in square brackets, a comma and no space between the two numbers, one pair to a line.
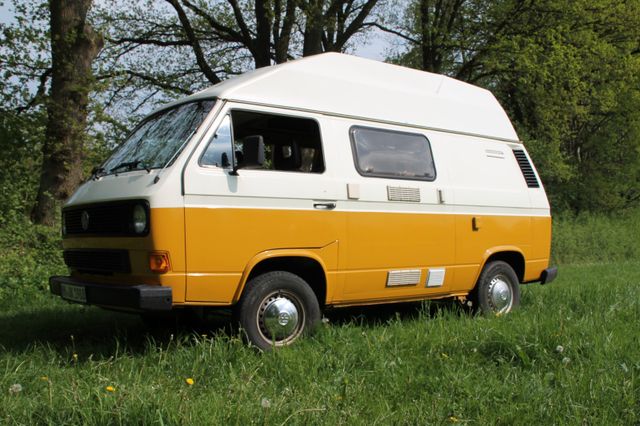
[276,308]
[497,290]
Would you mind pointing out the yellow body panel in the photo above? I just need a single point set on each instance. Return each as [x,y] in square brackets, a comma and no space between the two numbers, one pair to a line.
[223,245]
[213,250]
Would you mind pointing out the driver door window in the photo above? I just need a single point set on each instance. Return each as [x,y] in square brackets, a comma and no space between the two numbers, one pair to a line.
[287,143]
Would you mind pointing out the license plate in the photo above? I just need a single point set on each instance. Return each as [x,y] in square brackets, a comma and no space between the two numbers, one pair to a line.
[73,293]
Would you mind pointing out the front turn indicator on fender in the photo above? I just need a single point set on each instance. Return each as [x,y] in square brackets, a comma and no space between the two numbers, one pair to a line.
[159,262]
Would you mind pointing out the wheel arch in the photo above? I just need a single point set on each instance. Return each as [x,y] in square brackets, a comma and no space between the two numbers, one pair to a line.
[508,254]
[305,264]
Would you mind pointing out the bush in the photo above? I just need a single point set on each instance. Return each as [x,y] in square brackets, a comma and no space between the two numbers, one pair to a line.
[594,238]
[30,254]
[20,144]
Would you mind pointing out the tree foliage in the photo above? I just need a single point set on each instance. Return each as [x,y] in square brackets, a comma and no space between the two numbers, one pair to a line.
[567,72]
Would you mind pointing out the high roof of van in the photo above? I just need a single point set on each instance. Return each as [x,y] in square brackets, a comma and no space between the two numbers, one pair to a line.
[350,86]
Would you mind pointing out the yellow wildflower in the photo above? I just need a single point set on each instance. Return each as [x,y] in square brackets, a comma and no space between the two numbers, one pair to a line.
[110,389]
[190,381]
[44,378]
[453,419]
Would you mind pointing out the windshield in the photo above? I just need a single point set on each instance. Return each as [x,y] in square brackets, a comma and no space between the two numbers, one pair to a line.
[159,139]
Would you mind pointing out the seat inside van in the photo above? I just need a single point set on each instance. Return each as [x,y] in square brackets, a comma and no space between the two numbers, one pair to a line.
[290,143]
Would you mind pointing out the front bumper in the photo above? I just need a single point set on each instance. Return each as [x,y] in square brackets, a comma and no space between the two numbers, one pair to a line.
[137,297]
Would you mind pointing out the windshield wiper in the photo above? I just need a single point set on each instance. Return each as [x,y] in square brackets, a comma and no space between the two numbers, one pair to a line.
[131,165]
[97,172]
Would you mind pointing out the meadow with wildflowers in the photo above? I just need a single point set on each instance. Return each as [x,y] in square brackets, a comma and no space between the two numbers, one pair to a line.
[569,355]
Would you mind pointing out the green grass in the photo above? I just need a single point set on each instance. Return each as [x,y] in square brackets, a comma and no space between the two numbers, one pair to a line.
[409,364]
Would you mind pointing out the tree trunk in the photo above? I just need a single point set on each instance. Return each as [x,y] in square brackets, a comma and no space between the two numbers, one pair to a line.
[74,46]
[426,38]
[314,28]
[262,43]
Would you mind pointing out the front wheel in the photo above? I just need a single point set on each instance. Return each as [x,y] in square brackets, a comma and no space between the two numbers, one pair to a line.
[276,309]
[497,290]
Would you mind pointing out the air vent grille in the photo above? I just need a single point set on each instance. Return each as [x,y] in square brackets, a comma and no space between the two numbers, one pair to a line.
[527,170]
[98,261]
[403,277]
[399,193]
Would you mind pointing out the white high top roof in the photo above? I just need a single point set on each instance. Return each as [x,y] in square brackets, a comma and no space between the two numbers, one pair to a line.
[347,85]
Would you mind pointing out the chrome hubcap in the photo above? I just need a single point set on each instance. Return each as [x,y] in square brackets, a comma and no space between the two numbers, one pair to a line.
[500,295]
[279,318]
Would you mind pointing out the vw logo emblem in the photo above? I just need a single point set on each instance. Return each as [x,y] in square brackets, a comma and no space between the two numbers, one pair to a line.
[84,220]
[283,318]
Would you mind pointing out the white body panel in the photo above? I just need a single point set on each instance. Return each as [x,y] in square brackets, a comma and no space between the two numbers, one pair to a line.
[344,85]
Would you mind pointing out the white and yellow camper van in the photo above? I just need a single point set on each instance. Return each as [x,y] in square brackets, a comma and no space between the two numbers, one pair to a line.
[324,182]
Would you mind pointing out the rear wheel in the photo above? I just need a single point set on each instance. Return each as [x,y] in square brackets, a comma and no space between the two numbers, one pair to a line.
[276,309]
[497,290]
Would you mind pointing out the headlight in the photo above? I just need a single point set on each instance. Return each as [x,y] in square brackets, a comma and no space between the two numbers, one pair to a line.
[139,219]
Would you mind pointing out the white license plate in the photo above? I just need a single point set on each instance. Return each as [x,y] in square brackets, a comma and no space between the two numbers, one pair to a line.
[73,292]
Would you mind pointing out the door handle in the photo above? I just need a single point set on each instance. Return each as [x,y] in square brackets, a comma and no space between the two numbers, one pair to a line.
[324,206]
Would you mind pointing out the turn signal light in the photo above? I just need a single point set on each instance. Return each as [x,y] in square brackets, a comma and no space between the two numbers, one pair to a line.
[159,262]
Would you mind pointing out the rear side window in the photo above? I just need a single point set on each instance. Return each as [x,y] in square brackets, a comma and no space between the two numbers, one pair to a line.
[390,154]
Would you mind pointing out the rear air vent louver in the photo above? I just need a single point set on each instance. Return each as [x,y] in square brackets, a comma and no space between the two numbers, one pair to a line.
[527,170]
[398,193]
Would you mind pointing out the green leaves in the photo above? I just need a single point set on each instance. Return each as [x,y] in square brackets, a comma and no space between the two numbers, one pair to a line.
[568,75]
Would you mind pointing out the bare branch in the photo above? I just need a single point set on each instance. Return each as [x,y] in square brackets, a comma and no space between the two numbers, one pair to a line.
[222,31]
[244,29]
[39,94]
[151,41]
[355,25]
[157,82]
[195,44]
[390,31]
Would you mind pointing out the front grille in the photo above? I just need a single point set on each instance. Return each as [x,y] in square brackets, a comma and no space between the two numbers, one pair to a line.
[112,219]
[98,261]
[526,169]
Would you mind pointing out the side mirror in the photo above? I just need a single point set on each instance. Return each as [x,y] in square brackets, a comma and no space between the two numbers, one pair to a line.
[225,161]
[252,154]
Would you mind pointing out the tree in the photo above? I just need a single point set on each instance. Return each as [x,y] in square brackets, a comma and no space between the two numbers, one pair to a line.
[202,42]
[570,81]
[25,65]
[567,72]
[74,45]
[152,54]
[454,37]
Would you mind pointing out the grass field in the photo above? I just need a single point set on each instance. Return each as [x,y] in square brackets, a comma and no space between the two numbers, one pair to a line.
[569,355]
